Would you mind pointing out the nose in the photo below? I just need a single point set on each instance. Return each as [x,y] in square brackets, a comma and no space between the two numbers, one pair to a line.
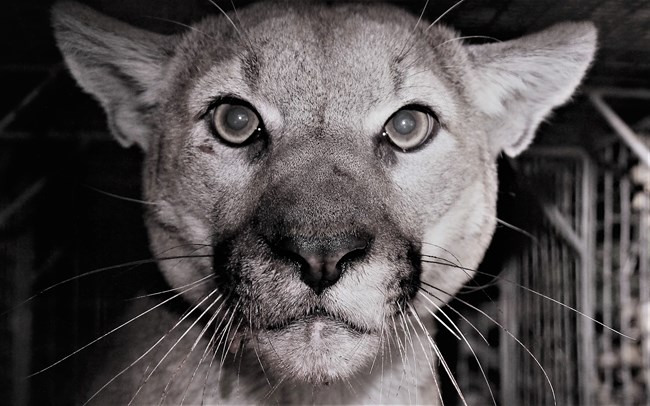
[322,260]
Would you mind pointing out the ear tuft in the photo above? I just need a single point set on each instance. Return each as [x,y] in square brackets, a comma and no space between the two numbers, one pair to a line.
[120,65]
[517,83]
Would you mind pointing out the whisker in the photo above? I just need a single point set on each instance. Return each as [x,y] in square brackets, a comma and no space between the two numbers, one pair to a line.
[239,33]
[123,371]
[255,346]
[268,339]
[381,349]
[204,356]
[187,330]
[417,24]
[477,360]
[163,292]
[402,355]
[226,334]
[447,369]
[439,319]
[123,198]
[443,15]
[517,229]
[274,388]
[347,382]
[548,380]
[193,347]
[448,252]
[232,4]
[460,315]
[234,334]
[220,339]
[241,357]
[409,338]
[353,351]
[401,348]
[380,342]
[187,26]
[424,9]
[215,342]
[75,352]
[133,264]
[429,362]
[387,347]
[166,291]
[468,271]
[527,289]
[440,17]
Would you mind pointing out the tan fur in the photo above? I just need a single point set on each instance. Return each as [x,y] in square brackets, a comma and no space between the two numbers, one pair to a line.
[324,80]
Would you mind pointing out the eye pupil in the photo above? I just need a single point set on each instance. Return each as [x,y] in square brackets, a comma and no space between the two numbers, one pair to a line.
[410,127]
[235,123]
[404,122]
[237,118]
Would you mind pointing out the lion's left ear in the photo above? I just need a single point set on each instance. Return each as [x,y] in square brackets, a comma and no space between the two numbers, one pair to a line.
[517,83]
[120,65]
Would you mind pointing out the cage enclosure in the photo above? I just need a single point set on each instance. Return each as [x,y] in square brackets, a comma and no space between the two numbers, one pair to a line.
[560,310]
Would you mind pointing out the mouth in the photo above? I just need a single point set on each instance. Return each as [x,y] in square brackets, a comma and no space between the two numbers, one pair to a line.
[315,316]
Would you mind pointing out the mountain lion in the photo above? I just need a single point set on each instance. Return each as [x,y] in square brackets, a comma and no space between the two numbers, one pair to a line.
[319,179]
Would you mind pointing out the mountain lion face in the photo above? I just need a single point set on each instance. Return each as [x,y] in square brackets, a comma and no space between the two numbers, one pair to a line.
[329,171]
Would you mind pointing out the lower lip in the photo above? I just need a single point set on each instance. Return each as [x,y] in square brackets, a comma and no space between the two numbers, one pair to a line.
[318,322]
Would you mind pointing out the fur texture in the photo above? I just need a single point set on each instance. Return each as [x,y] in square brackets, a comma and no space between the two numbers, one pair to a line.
[325,81]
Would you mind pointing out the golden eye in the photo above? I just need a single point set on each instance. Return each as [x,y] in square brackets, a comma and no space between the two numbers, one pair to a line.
[409,128]
[235,123]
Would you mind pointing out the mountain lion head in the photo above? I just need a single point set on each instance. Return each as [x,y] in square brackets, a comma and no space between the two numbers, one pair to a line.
[329,171]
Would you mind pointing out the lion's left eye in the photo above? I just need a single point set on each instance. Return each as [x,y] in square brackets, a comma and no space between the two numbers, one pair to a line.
[235,123]
[409,128]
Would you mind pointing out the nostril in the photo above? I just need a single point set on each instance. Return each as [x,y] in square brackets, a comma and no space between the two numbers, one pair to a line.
[352,256]
[322,260]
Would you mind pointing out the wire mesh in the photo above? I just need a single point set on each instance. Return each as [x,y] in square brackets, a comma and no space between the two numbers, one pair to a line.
[623,263]
[590,258]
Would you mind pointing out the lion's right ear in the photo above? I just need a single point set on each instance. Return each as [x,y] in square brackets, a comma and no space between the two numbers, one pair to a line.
[118,64]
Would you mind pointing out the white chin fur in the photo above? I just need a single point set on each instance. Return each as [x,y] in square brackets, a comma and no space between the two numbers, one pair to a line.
[317,350]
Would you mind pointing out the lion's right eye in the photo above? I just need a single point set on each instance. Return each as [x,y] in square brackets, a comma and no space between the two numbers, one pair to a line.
[235,123]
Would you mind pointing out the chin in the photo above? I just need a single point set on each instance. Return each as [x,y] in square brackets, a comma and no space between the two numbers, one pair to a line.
[317,350]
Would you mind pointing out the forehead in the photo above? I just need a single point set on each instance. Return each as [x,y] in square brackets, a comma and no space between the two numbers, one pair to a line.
[332,52]
[315,62]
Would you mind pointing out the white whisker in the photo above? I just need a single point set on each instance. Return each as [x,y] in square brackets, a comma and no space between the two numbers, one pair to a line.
[193,347]
[151,348]
[546,377]
[429,361]
[435,316]
[529,290]
[487,382]
[441,16]
[197,306]
[409,338]
[123,198]
[117,328]
[460,315]
[517,229]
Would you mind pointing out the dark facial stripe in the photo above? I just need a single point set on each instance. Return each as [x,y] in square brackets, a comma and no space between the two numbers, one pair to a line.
[251,69]
[396,75]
